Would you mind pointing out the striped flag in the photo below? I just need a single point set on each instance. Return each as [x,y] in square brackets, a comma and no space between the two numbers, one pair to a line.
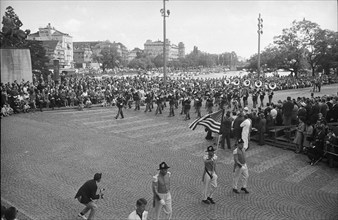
[212,121]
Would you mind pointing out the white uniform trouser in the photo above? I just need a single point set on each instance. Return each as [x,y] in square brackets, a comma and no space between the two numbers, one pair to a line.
[245,138]
[209,185]
[238,172]
[167,208]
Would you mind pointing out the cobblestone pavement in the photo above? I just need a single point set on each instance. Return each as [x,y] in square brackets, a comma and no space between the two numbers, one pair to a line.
[46,156]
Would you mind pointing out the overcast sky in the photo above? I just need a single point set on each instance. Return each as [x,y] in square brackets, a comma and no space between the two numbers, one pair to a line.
[213,26]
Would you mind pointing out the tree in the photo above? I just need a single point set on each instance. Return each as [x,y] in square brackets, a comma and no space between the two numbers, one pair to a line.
[108,58]
[38,57]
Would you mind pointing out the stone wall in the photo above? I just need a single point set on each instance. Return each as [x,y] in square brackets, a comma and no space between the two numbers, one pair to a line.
[15,65]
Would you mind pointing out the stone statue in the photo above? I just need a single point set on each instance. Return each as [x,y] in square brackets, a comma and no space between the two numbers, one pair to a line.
[11,34]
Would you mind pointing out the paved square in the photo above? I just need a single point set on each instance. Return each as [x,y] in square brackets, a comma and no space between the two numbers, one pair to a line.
[46,156]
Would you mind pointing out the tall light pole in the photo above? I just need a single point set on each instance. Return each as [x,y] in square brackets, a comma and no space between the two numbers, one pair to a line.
[164,14]
[260,31]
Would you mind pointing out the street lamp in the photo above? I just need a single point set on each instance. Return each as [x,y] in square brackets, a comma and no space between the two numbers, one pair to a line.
[165,14]
[260,31]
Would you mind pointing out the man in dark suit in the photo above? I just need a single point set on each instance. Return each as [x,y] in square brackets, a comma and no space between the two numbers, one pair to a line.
[226,130]
[287,111]
[87,194]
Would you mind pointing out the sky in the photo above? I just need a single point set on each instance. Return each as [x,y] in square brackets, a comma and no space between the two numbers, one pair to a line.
[213,26]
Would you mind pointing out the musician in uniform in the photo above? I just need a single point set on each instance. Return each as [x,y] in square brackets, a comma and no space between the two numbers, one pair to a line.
[161,191]
[198,101]
[254,98]
[119,103]
[137,100]
[187,106]
[171,105]
[147,101]
[209,104]
[209,177]
[158,100]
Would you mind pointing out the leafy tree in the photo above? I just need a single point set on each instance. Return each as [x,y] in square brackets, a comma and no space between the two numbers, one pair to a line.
[108,58]
[38,57]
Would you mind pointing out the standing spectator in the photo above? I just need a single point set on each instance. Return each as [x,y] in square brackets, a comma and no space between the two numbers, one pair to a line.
[161,190]
[237,126]
[261,129]
[209,177]
[87,194]
[139,213]
[299,136]
[246,129]
[287,111]
[240,168]
[308,134]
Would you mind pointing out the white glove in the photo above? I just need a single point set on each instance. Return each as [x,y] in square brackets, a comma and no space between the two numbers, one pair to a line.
[162,202]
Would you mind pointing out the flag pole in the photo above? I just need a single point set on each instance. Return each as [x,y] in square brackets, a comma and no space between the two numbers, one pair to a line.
[223,110]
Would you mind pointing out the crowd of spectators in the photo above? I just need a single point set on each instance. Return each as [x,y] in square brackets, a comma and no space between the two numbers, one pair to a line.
[82,92]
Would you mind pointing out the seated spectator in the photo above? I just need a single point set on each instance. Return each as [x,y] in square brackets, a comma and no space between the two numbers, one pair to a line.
[88,103]
[316,150]
[11,213]
[4,111]
[3,211]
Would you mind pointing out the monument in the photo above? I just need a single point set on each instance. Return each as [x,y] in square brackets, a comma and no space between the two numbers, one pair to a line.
[15,62]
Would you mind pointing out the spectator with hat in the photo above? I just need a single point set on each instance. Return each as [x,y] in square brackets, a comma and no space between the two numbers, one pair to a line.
[209,177]
[87,194]
[161,191]
[240,168]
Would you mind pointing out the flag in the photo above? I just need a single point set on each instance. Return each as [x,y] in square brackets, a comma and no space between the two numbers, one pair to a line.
[212,121]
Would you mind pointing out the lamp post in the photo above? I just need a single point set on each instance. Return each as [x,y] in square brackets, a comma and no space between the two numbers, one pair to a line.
[164,14]
[260,31]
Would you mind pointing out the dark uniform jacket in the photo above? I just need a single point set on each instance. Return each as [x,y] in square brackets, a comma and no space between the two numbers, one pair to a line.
[87,192]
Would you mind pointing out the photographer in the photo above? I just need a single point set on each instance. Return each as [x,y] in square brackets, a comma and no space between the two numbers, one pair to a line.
[87,194]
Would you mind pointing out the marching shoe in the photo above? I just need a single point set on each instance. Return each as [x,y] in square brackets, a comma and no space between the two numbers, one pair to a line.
[206,201]
[235,191]
[245,190]
[81,216]
[211,200]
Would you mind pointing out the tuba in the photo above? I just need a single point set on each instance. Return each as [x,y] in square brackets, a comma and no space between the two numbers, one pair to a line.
[246,83]
[272,85]
[235,82]
[258,83]
[227,81]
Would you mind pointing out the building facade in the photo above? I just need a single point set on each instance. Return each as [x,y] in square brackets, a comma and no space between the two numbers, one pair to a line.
[64,50]
[155,48]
